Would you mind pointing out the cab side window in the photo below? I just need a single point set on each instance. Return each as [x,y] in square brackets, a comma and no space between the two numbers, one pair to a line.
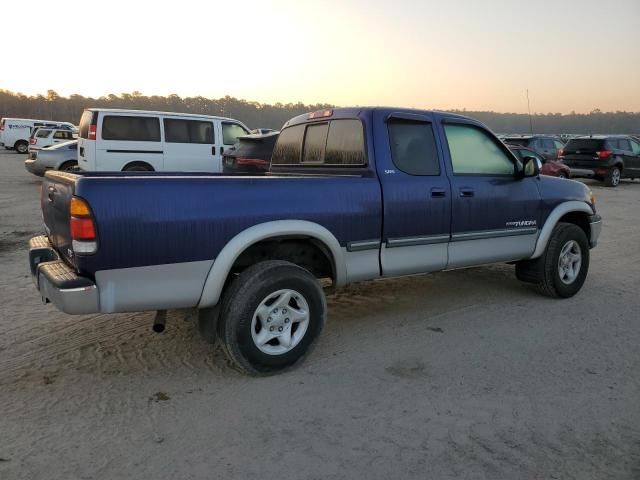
[413,147]
[474,152]
[635,147]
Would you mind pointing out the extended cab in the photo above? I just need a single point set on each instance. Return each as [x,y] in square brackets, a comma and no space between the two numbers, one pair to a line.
[353,194]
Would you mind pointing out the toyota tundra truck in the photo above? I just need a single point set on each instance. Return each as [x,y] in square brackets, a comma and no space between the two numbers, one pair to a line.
[352,194]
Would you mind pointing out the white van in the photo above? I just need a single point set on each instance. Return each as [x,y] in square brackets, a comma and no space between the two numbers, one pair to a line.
[15,132]
[129,140]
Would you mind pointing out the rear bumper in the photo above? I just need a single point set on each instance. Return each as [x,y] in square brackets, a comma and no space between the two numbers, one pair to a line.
[58,283]
[595,227]
[33,166]
[583,172]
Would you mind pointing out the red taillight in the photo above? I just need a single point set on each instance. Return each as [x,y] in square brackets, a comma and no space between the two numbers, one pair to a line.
[32,141]
[82,229]
[560,152]
[92,132]
[604,153]
[251,161]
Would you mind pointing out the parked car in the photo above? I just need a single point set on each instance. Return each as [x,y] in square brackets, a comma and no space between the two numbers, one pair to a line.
[62,156]
[43,137]
[252,154]
[552,168]
[547,146]
[139,140]
[15,132]
[607,158]
[353,194]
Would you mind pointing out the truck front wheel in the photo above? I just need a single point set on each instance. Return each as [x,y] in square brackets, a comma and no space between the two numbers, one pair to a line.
[271,316]
[562,269]
[21,146]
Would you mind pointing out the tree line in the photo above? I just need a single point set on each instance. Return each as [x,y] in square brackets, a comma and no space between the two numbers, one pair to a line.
[52,106]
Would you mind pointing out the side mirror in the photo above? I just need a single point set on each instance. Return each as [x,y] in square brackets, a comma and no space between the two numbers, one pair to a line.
[530,167]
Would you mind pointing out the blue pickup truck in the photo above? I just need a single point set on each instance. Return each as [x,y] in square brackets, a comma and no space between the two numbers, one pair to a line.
[353,194]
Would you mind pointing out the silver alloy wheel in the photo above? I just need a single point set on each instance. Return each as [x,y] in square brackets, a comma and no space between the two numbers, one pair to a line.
[280,322]
[22,148]
[569,262]
[615,177]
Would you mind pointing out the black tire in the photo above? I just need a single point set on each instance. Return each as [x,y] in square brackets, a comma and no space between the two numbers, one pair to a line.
[68,166]
[240,302]
[138,167]
[21,147]
[544,271]
[613,177]
[208,324]
[562,175]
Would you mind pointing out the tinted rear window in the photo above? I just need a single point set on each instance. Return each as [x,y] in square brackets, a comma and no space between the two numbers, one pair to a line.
[345,143]
[289,145]
[315,140]
[139,129]
[517,141]
[583,145]
[255,148]
[188,131]
[413,147]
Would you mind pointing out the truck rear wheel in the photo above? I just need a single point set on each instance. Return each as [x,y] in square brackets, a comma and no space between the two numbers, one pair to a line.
[271,316]
[562,269]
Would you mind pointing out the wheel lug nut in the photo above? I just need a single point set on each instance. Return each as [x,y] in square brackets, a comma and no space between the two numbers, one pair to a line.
[275,310]
[268,319]
[284,310]
[286,320]
[279,329]
[271,329]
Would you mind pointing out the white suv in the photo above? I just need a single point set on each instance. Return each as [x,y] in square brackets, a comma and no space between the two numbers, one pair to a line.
[129,140]
[44,137]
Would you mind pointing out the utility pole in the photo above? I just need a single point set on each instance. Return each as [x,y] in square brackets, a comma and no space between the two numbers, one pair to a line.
[529,110]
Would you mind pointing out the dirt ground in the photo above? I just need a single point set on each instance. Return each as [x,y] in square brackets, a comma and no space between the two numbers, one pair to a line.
[464,374]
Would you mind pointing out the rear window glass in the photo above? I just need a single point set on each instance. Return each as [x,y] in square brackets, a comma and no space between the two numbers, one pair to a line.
[289,146]
[315,140]
[413,147]
[43,133]
[85,121]
[255,148]
[188,131]
[517,141]
[624,144]
[345,143]
[231,132]
[583,145]
[140,129]
[64,135]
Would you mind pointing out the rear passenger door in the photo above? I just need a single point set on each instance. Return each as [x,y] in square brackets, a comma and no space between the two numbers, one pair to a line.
[416,194]
[495,215]
[189,145]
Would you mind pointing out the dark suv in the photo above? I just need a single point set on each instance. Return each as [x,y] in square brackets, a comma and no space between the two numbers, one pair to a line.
[546,146]
[607,158]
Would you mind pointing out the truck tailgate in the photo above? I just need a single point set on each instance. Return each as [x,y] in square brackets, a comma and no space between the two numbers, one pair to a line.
[57,190]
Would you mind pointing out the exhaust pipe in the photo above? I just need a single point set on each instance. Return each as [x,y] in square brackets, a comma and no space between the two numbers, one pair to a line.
[159,321]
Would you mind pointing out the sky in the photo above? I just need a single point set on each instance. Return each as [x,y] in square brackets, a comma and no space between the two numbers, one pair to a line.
[571,55]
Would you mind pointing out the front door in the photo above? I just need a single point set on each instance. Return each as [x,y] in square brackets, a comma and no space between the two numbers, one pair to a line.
[189,145]
[417,195]
[495,215]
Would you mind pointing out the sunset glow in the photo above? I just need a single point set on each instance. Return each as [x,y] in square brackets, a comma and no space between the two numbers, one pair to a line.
[478,55]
